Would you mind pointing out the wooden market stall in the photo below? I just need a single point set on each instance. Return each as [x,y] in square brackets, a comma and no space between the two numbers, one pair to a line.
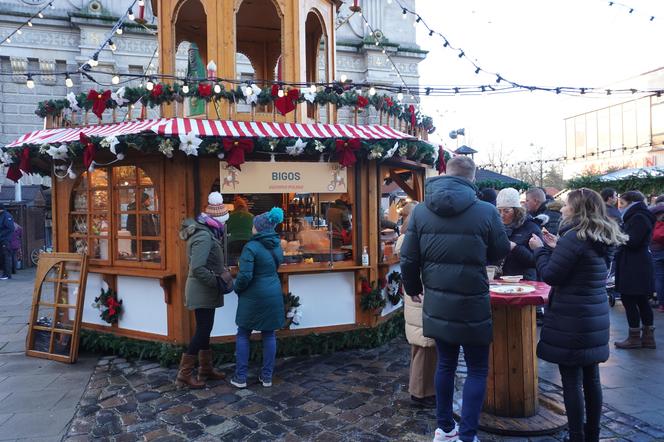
[122,187]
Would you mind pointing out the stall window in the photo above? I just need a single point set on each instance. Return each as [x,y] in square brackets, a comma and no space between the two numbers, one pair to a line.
[116,216]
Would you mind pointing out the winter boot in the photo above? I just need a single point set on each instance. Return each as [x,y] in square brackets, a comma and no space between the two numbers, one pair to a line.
[648,337]
[206,370]
[632,341]
[186,373]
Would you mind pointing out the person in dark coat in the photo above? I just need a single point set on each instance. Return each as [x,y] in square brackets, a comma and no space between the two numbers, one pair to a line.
[635,272]
[450,239]
[488,195]
[575,330]
[519,227]
[610,197]
[538,207]
[204,249]
[15,245]
[6,230]
[260,297]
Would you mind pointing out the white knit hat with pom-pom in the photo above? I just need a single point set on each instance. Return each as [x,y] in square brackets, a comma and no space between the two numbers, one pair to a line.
[216,207]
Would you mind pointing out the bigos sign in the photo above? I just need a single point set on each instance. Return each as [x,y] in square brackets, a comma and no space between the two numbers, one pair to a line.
[286,177]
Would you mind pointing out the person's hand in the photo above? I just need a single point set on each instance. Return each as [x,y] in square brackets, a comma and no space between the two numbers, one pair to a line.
[535,242]
[550,239]
[417,298]
[512,245]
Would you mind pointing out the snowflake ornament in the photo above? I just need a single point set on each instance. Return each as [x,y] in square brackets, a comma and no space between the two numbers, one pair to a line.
[58,153]
[118,96]
[166,147]
[375,153]
[189,143]
[297,148]
[73,102]
[390,153]
[319,146]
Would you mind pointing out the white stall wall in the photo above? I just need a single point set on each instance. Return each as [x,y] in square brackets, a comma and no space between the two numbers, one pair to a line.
[224,317]
[143,305]
[389,308]
[92,290]
[326,298]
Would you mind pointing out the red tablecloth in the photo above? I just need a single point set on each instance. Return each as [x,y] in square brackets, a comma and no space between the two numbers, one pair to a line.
[539,296]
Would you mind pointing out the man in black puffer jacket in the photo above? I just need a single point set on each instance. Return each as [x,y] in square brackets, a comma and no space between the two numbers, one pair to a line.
[449,241]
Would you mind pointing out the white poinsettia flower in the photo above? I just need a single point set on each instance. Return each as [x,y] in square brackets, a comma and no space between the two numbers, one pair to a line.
[58,153]
[73,102]
[253,97]
[189,143]
[5,158]
[109,143]
[297,148]
[310,96]
[119,96]
[320,147]
[390,153]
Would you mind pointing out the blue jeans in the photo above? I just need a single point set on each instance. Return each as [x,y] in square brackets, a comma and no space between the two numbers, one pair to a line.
[474,389]
[658,260]
[242,353]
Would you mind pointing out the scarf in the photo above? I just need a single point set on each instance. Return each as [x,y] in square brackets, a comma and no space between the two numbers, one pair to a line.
[214,225]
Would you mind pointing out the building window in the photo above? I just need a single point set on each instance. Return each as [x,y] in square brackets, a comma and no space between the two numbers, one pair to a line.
[116,216]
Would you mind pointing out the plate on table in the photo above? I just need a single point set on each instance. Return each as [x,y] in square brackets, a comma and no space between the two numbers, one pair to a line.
[512,289]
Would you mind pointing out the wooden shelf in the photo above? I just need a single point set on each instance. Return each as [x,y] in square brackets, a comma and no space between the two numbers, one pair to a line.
[129,271]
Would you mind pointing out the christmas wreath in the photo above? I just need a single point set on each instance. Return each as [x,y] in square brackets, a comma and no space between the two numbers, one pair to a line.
[107,302]
[371,298]
[394,288]
[293,313]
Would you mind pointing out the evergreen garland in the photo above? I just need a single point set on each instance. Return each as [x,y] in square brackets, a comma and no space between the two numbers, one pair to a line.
[371,298]
[648,184]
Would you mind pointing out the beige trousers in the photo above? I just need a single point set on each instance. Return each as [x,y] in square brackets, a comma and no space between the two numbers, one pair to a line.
[422,371]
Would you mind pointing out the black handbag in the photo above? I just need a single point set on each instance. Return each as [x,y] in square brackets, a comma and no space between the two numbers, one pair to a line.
[225,279]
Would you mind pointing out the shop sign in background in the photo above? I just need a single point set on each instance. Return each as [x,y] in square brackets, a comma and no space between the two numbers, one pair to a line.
[284,177]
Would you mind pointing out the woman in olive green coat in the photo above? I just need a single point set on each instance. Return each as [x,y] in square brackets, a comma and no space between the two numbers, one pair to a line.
[202,292]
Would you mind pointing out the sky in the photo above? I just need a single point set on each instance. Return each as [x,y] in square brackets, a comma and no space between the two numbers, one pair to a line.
[544,42]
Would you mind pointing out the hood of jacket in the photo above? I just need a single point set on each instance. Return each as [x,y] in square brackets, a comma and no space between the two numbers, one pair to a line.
[189,227]
[639,207]
[270,240]
[555,205]
[449,196]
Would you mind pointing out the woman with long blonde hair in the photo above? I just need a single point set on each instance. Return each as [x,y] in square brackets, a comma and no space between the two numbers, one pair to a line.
[575,331]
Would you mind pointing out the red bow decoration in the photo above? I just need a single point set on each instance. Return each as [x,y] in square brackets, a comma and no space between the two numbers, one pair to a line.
[389,102]
[442,166]
[112,305]
[157,90]
[288,102]
[99,100]
[15,171]
[88,150]
[235,150]
[362,101]
[275,90]
[346,151]
[413,120]
[365,287]
[204,90]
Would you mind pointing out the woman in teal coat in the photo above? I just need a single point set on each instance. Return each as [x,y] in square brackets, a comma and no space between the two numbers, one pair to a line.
[260,299]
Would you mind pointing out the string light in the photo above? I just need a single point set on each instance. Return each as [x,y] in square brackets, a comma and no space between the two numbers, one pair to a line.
[40,15]
[280,93]
[94,61]
[217,88]
[404,13]
[372,91]
[344,78]
[120,30]
[115,79]
[185,88]
[149,85]
[130,15]
[29,24]
[19,32]
[112,46]
[30,83]
[400,96]
[312,88]
[68,81]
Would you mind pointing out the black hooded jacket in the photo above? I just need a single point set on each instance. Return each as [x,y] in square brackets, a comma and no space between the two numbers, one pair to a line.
[449,241]
[635,274]
[575,330]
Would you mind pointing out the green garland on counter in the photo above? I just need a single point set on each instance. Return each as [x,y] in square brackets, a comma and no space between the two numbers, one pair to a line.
[313,344]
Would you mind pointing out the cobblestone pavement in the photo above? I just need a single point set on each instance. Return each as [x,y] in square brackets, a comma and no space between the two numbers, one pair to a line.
[347,396]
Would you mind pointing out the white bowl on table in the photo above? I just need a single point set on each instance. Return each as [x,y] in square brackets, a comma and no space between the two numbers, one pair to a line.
[512,278]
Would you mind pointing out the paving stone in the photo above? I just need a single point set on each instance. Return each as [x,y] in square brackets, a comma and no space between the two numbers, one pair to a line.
[268,417]
[237,434]
[248,422]
[260,437]
[190,429]
[275,429]
[211,420]
[147,396]
[223,428]
[294,412]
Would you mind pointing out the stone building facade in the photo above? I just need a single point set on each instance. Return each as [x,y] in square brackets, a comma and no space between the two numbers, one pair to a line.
[72,30]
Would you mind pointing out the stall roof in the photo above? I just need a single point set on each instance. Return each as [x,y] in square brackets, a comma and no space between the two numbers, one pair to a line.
[213,128]
[641,172]
[490,175]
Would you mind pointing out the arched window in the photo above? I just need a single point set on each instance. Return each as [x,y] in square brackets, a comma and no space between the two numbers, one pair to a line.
[116,216]
[316,59]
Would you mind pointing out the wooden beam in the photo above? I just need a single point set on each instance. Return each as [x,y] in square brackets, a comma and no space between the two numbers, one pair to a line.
[404,186]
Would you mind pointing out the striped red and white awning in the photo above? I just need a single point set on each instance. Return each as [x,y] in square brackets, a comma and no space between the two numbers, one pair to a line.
[213,128]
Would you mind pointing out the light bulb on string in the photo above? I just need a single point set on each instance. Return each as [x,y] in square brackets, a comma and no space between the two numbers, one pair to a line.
[400,96]
[149,85]
[29,23]
[52,5]
[344,77]
[217,88]
[312,88]
[68,81]
[404,13]
[40,15]
[185,88]
[130,15]
[115,79]
[248,91]
[120,30]
[372,91]
[112,46]
[280,93]
[30,83]
[19,32]
[383,50]
[8,40]
[94,61]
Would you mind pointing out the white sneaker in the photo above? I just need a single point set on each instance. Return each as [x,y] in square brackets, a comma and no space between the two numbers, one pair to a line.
[441,436]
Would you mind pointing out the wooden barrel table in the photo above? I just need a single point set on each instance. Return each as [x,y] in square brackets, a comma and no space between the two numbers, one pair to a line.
[512,404]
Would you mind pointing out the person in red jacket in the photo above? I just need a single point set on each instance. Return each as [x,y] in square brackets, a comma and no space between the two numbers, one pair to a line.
[657,248]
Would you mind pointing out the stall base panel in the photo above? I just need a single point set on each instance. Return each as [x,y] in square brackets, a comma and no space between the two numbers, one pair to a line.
[93,287]
[143,305]
[326,299]
[224,317]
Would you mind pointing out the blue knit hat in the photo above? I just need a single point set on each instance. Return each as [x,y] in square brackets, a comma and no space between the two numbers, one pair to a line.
[266,222]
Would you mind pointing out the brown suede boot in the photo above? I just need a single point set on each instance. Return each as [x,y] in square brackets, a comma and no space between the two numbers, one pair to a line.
[632,341]
[186,373]
[206,370]
[648,337]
